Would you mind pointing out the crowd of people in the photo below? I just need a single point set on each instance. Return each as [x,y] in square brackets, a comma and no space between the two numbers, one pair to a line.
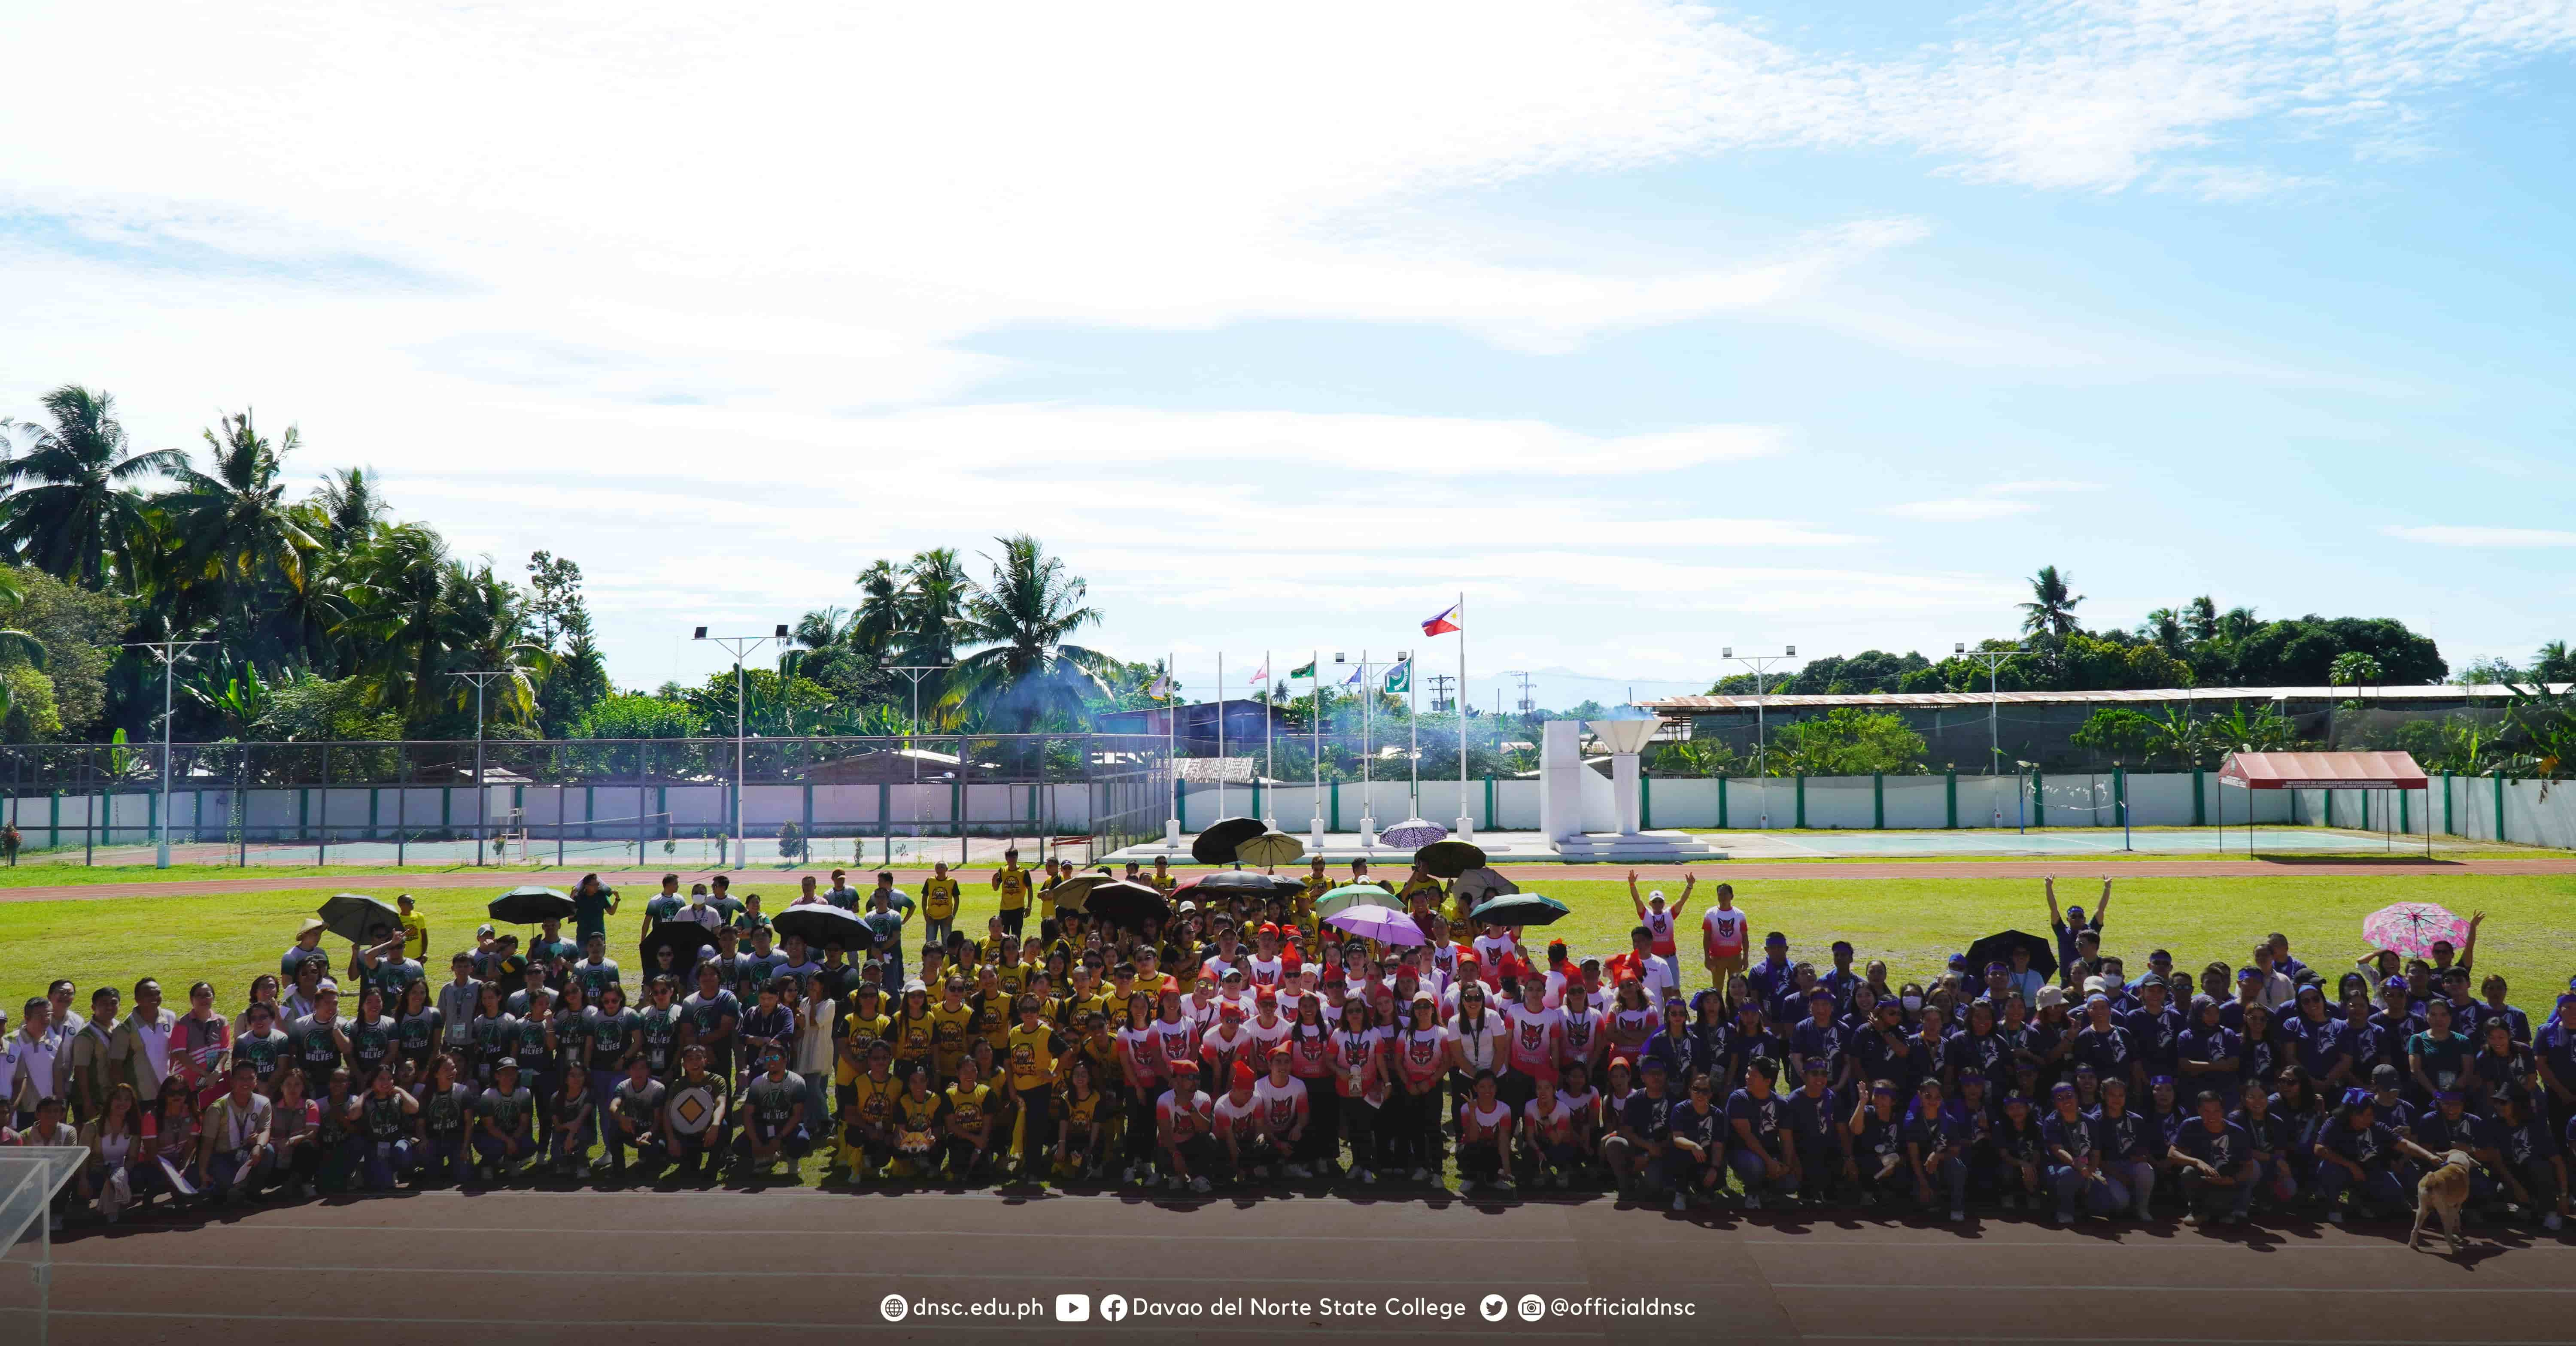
[1243,1043]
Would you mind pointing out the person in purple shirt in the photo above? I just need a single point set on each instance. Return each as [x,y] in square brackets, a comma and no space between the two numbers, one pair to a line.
[2316,1037]
[1758,1148]
[2107,1047]
[1884,1052]
[2357,1152]
[1747,1039]
[1818,1037]
[2530,1160]
[1816,1116]
[2019,1151]
[2261,1047]
[2216,1159]
[2387,1093]
[2129,1145]
[1936,1145]
[2155,1026]
[2205,1057]
[2364,1041]
[2283,963]
[1980,1047]
[2075,1170]
[2493,988]
[2466,1013]
[2555,1044]
[1770,977]
[1877,1133]
[2272,1133]
[2449,1125]
[2502,1065]
[1675,1047]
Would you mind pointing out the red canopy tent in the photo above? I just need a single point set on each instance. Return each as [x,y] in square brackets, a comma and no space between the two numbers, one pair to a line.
[2322,771]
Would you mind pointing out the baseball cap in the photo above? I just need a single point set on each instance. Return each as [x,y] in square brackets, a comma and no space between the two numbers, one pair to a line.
[1654,1063]
[1230,1013]
[506,1063]
[1185,1066]
[2383,1076]
[2393,984]
[1279,1051]
[483,929]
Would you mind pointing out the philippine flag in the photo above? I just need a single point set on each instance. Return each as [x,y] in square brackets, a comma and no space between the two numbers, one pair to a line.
[1442,625]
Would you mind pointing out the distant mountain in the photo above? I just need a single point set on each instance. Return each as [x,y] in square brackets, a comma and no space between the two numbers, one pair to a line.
[1558,688]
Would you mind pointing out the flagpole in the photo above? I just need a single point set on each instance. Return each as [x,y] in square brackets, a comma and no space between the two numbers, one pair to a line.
[1269,753]
[1315,680]
[1466,815]
[1368,761]
[1220,734]
[1413,726]
[1172,752]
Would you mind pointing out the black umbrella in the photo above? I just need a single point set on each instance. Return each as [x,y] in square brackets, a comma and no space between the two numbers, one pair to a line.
[359,919]
[822,924]
[1215,845]
[683,939]
[1128,904]
[1998,947]
[530,906]
[1449,859]
[1071,894]
[1230,881]
[1519,909]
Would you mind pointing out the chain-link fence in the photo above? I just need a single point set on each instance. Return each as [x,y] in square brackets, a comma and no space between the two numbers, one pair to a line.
[599,801]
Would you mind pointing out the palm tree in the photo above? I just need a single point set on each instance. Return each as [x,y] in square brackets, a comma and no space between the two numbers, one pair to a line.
[2200,617]
[2164,627]
[2238,623]
[234,527]
[880,616]
[490,631]
[402,614]
[2554,663]
[936,591]
[81,521]
[351,502]
[1023,615]
[2051,611]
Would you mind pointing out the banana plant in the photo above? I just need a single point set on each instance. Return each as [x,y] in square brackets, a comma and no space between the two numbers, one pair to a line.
[241,698]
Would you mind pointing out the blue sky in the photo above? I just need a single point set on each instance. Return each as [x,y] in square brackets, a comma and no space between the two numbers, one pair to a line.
[1653,329]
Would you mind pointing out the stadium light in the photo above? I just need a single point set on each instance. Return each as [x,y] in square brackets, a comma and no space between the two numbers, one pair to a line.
[167,651]
[741,646]
[1761,664]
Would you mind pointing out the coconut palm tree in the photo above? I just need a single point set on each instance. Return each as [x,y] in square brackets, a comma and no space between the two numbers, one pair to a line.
[236,533]
[936,592]
[880,616]
[1024,615]
[2164,627]
[350,503]
[2051,611]
[80,519]
[2200,618]
[403,615]
[2554,663]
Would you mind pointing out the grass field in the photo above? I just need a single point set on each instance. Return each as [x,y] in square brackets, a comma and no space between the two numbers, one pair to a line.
[1912,923]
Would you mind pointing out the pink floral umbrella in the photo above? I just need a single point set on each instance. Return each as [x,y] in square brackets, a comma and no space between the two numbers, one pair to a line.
[2410,928]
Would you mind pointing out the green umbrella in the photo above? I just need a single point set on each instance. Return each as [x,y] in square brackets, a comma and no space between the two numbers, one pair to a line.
[1519,909]
[1353,895]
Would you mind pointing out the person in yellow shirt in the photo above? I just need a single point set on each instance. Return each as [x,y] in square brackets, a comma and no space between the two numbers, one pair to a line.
[995,1009]
[1317,884]
[853,1034]
[1162,876]
[1082,1143]
[952,1021]
[916,1032]
[415,930]
[1012,883]
[1417,884]
[1035,1056]
[868,1113]
[1056,872]
[918,1114]
[938,905]
[970,1124]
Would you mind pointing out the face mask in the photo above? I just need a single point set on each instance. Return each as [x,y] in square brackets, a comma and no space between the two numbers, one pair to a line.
[1913,1003]
[2114,980]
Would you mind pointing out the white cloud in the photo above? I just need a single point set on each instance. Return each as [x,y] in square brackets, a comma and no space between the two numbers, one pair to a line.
[2480,536]
[2001,500]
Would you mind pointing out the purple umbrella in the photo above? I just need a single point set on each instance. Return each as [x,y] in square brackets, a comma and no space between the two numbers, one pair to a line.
[1383,924]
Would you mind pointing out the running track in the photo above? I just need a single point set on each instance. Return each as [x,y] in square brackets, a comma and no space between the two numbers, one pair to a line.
[636,881]
[644,1269]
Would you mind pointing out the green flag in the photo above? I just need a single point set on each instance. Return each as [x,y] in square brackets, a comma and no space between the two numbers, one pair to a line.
[1399,679]
[1304,670]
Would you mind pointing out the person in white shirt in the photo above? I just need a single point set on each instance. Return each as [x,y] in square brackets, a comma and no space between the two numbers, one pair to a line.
[1284,1106]
[1726,938]
[1537,1040]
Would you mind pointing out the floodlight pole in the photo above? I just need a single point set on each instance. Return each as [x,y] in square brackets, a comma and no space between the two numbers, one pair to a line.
[741,647]
[1992,659]
[914,673]
[167,651]
[1761,664]
[482,790]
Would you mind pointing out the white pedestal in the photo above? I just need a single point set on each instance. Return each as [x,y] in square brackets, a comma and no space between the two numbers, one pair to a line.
[1368,833]
[1465,830]
[1172,833]
[1315,836]
[1623,791]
